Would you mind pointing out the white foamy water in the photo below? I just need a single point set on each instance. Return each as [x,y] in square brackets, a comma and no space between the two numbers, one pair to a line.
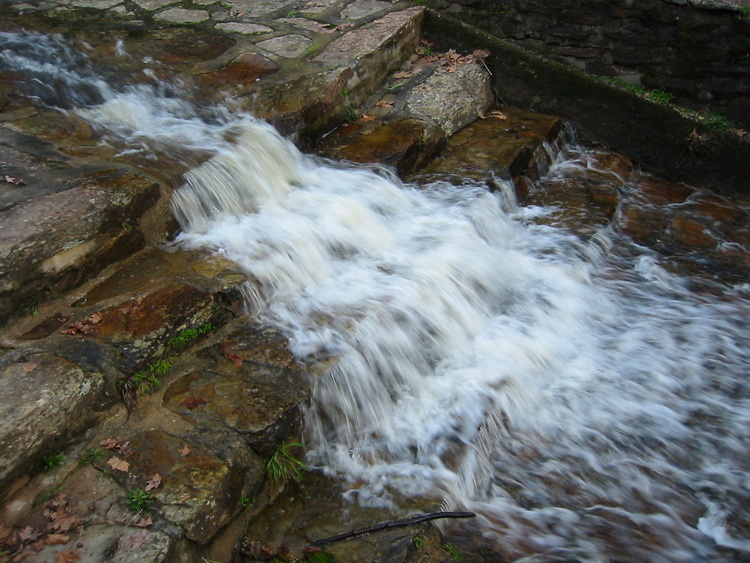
[575,395]
[584,405]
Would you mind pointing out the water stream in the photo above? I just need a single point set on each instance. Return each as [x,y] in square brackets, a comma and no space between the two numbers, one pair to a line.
[573,393]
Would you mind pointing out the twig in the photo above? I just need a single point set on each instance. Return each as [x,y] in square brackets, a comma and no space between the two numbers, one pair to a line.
[393,524]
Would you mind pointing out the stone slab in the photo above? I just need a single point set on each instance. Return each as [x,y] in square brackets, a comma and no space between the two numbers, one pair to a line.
[257,390]
[181,15]
[43,400]
[367,40]
[198,490]
[453,98]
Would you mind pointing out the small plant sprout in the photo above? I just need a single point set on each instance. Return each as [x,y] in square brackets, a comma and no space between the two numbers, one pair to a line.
[454,553]
[283,464]
[90,456]
[417,541]
[138,500]
[51,462]
[246,501]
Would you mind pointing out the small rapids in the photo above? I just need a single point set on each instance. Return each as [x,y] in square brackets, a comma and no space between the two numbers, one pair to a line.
[573,393]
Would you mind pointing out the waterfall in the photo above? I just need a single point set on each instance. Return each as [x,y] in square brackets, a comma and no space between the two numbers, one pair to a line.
[577,396]
[484,359]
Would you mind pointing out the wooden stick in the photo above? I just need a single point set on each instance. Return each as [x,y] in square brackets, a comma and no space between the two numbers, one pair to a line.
[393,524]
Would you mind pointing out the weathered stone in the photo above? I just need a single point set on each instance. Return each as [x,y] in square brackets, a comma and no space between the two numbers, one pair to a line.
[198,491]
[44,400]
[314,508]
[154,4]
[51,243]
[244,28]
[408,144]
[290,113]
[141,327]
[114,544]
[239,75]
[452,99]
[309,25]
[509,143]
[687,232]
[317,6]
[179,45]
[288,46]
[255,8]
[259,399]
[181,15]
[363,8]
[393,29]
[658,191]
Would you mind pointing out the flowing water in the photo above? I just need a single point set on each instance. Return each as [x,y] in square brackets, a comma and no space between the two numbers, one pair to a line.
[573,393]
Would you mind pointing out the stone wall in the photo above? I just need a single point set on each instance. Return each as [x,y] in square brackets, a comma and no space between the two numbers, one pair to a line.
[699,51]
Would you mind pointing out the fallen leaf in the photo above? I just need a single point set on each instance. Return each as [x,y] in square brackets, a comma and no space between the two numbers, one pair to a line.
[498,115]
[193,402]
[403,74]
[144,522]
[366,118]
[118,464]
[62,520]
[109,443]
[125,449]
[235,358]
[54,539]
[67,556]
[28,534]
[184,497]
[154,482]
[95,318]
[28,367]
[481,53]
[384,104]
[184,450]
[138,539]
[5,533]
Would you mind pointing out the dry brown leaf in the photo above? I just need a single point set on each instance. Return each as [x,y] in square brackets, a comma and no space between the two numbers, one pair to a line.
[481,53]
[384,104]
[54,539]
[109,443]
[125,449]
[153,482]
[118,464]
[184,497]
[366,118]
[28,367]
[144,522]
[63,520]
[498,115]
[184,450]
[95,318]
[68,556]
[28,534]
[236,359]
[404,74]
[18,557]
[193,403]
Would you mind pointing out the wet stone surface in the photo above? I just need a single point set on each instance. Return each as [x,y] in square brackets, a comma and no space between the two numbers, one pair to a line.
[256,389]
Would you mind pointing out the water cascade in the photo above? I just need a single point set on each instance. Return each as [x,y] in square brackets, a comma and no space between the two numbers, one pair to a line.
[574,394]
